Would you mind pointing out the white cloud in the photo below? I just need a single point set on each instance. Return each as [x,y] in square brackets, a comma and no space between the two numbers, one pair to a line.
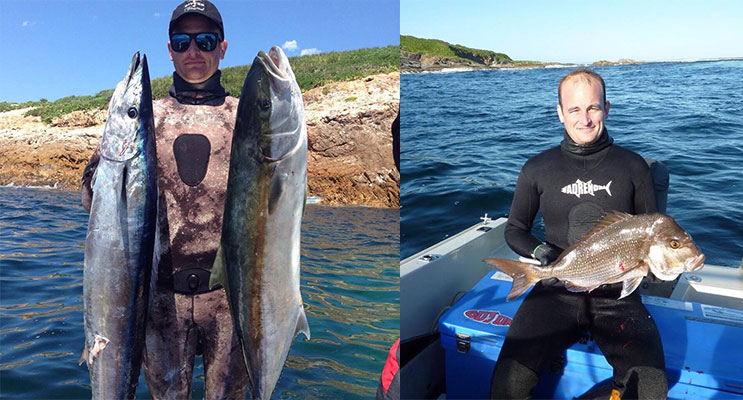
[309,52]
[157,15]
[26,24]
[289,45]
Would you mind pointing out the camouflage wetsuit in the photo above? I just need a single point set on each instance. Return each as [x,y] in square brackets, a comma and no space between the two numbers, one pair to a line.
[193,132]
[573,186]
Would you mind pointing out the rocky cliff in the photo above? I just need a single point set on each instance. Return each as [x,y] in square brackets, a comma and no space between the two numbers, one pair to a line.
[417,54]
[416,62]
[348,124]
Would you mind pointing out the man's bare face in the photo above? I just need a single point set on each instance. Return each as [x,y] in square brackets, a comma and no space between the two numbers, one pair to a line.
[583,110]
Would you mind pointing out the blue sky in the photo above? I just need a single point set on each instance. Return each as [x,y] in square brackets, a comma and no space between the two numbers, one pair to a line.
[583,31]
[53,49]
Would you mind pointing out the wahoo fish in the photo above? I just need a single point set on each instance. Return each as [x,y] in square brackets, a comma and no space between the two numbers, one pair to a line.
[120,239]
[258,259]
[620,248]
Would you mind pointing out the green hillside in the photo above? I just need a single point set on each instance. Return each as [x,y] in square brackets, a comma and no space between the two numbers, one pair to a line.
[311,72]
[439,48]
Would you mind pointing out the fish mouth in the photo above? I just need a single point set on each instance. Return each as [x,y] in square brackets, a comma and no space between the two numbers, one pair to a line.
[276,66]
[285,122]
[696,263]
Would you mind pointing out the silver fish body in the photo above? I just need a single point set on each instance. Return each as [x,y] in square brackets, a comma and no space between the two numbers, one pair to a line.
[620,248]
[120,239]
[258,259]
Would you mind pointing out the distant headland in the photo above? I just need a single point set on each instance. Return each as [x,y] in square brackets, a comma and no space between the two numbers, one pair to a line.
[430,55]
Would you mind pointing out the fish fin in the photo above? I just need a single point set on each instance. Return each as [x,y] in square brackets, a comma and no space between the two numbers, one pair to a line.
[523,275]
[274,192]
[611,218]
[302,325]
[629,286]
[132,67]
[572,287]
[304,203]
[218,275]
[84,356]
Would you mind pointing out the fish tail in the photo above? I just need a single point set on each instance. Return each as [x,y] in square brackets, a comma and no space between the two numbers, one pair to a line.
[524,275]
[607,188]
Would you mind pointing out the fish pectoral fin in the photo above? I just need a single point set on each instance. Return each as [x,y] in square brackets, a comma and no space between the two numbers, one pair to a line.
[629,286]
[219,271]
[523,275]
[302,325]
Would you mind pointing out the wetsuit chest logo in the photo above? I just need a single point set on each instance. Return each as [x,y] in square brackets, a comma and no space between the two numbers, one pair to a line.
[579,188]
[191,153]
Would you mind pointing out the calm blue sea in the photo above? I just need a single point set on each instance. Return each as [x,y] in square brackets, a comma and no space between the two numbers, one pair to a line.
[350,284]
[465,136]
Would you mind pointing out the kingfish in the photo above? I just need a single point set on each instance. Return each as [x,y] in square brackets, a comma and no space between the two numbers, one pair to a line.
[120,239]
[620,248]
[258,258]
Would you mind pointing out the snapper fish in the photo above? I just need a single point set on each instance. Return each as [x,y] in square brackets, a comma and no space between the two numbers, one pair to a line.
[258,258]
[120,239]
[620,248]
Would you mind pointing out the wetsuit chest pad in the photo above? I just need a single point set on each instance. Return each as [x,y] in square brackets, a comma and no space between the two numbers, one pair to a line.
[581,218]
[191,151]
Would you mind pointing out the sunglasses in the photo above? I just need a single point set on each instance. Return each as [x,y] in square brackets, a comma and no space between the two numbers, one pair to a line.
[206,41]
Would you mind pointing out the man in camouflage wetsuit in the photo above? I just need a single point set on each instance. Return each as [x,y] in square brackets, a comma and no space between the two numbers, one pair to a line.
[193,133]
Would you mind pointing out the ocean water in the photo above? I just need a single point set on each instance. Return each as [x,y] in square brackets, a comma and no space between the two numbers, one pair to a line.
[465,136]
[350,286]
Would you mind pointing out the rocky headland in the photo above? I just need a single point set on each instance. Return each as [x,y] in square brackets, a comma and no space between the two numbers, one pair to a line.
[349,141]
[430,55]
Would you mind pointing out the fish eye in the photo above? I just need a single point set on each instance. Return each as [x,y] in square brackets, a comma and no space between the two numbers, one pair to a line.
[675,244]
[265,105]
[132,112]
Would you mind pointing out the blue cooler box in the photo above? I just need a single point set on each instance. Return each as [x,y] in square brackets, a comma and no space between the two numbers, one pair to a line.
[703,348]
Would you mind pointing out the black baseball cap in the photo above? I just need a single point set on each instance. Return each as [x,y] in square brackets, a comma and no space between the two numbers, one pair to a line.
[200,7]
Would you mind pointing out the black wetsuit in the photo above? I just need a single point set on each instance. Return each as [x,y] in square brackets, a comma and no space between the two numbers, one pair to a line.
[573,186]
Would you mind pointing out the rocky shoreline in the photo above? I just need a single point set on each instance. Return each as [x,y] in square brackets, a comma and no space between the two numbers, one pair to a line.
[416,62]
[349,141]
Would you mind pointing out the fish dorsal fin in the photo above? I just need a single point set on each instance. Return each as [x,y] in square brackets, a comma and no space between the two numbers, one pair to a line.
[219,271]
[609,219]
